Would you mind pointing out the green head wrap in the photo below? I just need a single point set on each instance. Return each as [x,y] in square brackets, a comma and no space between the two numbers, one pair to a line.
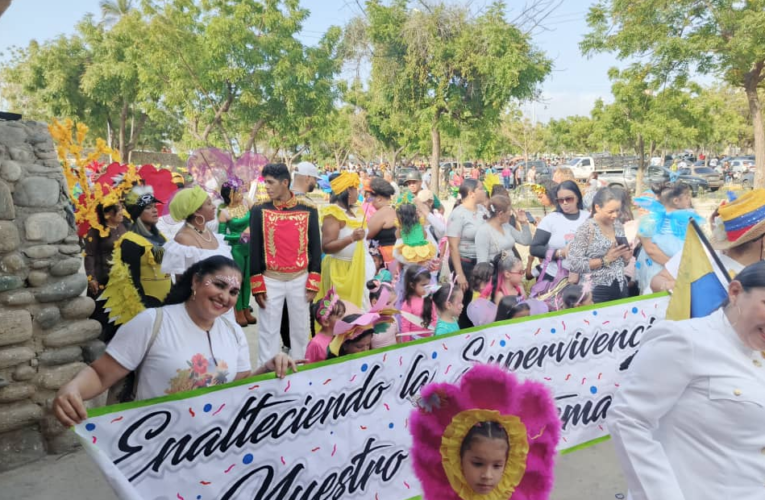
[186,202]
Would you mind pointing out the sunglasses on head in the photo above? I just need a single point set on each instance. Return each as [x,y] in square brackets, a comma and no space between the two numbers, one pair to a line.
[566,200]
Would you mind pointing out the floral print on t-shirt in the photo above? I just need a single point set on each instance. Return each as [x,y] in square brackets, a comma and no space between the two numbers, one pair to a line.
[202,372]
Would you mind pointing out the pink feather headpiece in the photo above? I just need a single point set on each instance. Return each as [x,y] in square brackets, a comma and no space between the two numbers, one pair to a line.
[486,392]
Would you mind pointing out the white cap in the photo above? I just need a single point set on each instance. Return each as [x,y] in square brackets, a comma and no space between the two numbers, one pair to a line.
[307,168]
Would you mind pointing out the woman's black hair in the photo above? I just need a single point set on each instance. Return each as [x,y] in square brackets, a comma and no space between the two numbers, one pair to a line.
[225,193]
[343,198]
[467,187]
[482,273]
[489,430]
[625,214]
[568,186]
[551,190]
[666,191]
[381,187]
[101,212]
[603,196]
[408,218]
[412,276]
[181,290]
[752,276]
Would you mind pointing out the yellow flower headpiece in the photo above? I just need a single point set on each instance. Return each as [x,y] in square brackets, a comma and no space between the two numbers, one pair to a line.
[344,181]
[451,456]
[538,189]
[69,142]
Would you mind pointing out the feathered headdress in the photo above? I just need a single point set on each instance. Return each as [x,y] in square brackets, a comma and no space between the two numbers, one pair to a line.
[86,195]
[486,393]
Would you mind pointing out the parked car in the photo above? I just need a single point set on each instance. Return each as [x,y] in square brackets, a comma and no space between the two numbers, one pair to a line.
[741,165]
[654,175]
[583,166]
[714,179]
[544,173]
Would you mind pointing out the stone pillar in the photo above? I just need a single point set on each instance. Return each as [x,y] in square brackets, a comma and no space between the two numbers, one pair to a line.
[45,334]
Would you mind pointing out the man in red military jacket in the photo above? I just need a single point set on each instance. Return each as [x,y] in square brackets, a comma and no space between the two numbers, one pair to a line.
[285,263]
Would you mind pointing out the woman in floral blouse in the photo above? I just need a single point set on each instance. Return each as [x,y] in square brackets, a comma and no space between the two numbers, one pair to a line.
[599,248]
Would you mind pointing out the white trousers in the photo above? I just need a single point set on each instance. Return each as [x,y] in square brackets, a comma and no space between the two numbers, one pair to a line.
[270,318]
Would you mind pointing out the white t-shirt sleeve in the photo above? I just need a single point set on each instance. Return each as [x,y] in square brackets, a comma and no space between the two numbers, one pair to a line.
[243,358]
[673,264]
[130,343]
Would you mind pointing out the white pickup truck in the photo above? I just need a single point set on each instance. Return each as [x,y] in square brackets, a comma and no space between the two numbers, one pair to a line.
[583,166]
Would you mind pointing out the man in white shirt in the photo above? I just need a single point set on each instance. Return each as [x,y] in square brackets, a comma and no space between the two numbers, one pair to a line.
[737,237]
[304,179]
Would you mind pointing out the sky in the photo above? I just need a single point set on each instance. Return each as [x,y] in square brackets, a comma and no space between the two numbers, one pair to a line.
[571,89]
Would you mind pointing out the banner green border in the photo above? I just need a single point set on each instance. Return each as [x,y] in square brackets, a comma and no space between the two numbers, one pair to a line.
[106,410]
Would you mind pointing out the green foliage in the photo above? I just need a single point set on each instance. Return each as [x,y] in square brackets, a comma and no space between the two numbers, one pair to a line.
[442,69]
[236,71]
[94,76]
[720,37]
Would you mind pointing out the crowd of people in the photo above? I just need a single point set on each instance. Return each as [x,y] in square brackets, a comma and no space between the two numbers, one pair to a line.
[382,264]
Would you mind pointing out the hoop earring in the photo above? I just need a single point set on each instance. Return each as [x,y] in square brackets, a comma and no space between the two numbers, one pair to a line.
[203,220]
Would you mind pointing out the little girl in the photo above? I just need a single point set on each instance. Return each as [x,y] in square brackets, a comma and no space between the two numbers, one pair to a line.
[414,247]
[508,277]
[383,300]
[353,334]
[417,304]
[481,310]
[480,438]
[448,302]
[574,296]
[510,308]
[481,279]
[326,312]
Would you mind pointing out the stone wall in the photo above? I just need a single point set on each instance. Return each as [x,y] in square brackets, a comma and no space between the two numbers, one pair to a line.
[45,334]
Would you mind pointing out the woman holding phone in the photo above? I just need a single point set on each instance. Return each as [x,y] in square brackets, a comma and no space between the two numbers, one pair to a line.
[600,248]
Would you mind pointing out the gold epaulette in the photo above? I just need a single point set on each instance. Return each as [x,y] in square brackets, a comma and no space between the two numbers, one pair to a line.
[305,200]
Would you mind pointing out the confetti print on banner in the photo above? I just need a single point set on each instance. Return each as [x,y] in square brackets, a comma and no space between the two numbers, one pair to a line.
[229,468]
[219,409]
[207,408]
[116,420]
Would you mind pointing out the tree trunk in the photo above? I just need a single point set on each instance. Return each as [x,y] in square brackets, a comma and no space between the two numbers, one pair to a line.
[759,132]
[640,150]
[435,159]
[123,131]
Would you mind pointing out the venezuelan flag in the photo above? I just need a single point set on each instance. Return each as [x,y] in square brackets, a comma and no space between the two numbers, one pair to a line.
[698,291]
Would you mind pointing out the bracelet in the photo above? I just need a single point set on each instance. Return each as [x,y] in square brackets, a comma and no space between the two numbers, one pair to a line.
[603,262]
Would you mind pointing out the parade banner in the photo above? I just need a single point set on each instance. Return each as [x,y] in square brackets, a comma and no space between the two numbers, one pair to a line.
[339,429]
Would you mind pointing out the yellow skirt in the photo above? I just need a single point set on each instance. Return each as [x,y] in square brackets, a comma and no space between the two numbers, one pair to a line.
[417,255]
[348,278]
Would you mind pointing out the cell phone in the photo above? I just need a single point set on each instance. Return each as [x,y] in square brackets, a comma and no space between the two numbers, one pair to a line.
[531,218]
[622,241]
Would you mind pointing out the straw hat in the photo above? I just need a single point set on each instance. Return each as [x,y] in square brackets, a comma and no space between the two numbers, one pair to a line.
[740,221]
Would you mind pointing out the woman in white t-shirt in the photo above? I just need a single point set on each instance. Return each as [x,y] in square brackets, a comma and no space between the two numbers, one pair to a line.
[194,345]
[556,231]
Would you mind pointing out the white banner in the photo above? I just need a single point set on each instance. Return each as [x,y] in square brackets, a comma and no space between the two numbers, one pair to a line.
[340,429]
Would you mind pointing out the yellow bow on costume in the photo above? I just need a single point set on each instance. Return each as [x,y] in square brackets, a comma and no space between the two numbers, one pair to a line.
[344,181]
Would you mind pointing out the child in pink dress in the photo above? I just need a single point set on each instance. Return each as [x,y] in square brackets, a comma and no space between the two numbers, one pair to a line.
[418,316]
[326,312]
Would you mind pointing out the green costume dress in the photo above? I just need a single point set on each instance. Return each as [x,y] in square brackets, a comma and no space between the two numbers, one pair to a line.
[232,231]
